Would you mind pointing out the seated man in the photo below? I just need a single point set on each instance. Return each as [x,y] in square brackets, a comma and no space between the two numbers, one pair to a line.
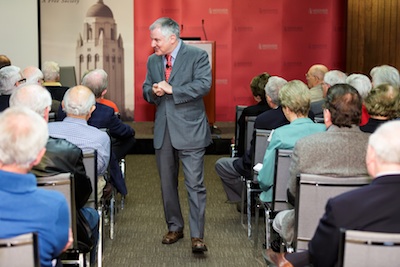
[365,209]
[315,78]
[295,102]
[103,117]
[340,151]
[51,77]
[257,86]
[230,169]
[10,78]
[61,156]
[24,207]
[79,103]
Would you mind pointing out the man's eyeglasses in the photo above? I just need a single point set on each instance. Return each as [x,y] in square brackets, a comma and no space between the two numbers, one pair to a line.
[23,80]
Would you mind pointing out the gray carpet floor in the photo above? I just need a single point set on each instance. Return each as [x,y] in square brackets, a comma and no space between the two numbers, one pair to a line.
[141,225]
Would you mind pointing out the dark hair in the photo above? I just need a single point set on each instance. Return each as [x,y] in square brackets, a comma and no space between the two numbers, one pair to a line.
[258,83]
[344,103]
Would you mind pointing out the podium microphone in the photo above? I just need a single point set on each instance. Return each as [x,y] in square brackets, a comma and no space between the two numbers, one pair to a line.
[204,30]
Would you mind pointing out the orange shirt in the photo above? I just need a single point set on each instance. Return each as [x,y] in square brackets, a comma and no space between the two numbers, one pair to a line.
[108,103]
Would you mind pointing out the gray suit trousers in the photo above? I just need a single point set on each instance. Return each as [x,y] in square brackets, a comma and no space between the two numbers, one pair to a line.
[193,169]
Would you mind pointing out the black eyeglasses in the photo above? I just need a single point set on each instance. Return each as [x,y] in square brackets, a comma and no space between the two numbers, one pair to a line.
[23,80]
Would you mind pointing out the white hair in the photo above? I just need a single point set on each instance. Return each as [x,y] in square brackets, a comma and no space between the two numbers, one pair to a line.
[23,134]
[386,142]
[272,88]
[51,71]
[385,74]
[32,96]
[333,77]
[361,82]
[9,76]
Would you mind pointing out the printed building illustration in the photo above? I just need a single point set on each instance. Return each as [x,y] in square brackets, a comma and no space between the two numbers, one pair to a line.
[100,46]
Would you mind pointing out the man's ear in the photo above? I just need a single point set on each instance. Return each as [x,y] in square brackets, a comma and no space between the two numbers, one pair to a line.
[327,118]
[39,157]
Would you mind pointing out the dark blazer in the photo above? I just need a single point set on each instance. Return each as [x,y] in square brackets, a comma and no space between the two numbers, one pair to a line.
[4,102]
[268,120]
[254,110]
[373,207]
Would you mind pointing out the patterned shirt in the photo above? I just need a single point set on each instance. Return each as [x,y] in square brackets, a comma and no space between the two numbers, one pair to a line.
[86,137]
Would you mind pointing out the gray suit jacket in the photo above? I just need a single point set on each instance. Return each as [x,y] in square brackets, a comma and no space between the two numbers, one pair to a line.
[184,110]
[336,152]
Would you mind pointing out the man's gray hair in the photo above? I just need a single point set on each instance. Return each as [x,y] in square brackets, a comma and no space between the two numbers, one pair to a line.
[9,76]
[385,74]
[272,88]
[78,104]
[386,142]
[32,96]
[361,82]
[333,77]
[167,26]
[97,81]
[51,71]
[23,134]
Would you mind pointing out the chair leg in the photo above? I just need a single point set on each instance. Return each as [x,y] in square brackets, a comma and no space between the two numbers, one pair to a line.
[249,201]
[112,215]
[256,226]
[242,202]
[100,240]
[267,228]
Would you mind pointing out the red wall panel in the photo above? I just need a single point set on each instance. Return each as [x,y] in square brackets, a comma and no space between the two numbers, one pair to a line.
[252,36]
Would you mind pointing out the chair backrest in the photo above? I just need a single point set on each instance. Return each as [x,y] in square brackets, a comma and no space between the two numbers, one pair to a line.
[281,176]
[21,250]
[239,111]
[250,120]
[90,162]
[63,183]
[313,192]
[368,249]
[261,143]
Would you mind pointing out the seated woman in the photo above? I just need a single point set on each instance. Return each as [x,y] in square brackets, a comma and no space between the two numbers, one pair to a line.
[257,86]
[382,104]
[295,102]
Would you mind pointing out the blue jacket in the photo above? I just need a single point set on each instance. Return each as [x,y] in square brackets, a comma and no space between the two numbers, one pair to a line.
[25,208]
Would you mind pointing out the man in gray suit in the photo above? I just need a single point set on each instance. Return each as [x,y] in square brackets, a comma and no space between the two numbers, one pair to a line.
[181,130]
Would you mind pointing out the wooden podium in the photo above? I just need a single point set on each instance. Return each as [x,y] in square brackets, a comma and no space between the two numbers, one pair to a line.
[209,100]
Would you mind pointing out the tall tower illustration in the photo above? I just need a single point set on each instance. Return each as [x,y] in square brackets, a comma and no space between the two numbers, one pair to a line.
[99,46]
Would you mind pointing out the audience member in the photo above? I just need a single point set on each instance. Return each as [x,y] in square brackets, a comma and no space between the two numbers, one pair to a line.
[24,207]
[104,117]
[230,169]
[315,78]
[382,104]
[51,73]
[257,86]
[295,103]
[364,209]
[33,74]
[10,78]
[4,61]
[340,151]
[100,89]
[331,78]
[385,74]
[363,85]
[61,156]
[79,103]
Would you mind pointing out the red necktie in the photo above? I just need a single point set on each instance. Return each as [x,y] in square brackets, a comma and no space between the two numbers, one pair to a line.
[168,67]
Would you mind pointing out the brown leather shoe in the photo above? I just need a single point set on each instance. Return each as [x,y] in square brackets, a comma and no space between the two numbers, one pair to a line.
[277,258]
[198,245]
[171,237]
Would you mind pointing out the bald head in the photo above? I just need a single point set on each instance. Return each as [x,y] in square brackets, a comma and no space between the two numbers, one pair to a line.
[315,75]
[33,75]
[79,101]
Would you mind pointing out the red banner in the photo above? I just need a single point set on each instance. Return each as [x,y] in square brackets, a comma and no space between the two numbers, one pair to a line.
[282,38]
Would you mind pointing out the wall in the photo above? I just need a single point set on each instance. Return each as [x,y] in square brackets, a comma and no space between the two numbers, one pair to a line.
[19,32]
[373,34]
